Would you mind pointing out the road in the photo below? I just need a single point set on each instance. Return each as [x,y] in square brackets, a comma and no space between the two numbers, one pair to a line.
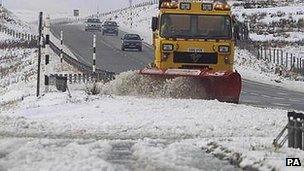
[110,57]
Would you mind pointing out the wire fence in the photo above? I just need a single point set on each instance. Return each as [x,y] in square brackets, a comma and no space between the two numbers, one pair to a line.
[290,61]
[281,58]
[18,34]
[25,40]
[142,4]
[79,78]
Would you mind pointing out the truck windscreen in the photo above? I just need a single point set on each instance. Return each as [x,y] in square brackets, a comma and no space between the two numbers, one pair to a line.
[195,26]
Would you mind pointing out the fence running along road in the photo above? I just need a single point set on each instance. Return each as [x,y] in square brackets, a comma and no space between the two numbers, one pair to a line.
[86,69]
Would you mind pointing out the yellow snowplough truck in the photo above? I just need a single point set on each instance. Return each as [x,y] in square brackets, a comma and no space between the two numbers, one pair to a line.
[196,40]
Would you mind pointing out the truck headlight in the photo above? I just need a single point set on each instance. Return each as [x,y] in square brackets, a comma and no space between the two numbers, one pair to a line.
[167,47]
[224,49]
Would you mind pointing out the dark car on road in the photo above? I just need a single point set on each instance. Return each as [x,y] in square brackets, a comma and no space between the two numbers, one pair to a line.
[93,24]
[110,27]
[131,41]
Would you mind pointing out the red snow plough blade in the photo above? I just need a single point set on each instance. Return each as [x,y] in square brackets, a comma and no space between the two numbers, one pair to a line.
[223,86]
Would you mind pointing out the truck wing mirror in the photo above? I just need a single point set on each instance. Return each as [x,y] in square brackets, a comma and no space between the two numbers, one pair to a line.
[154,23]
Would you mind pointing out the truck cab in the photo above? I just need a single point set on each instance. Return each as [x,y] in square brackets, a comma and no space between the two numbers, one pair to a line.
[193,35]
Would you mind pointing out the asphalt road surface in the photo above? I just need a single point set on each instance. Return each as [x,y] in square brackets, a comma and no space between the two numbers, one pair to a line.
[110,57]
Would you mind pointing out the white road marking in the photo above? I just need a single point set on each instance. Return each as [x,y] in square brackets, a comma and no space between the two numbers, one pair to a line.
[279,98]
[280,104]
[255,94]
[280,93]
[295,100]
[147,45]
[256,83]
[266,96]
[249,101]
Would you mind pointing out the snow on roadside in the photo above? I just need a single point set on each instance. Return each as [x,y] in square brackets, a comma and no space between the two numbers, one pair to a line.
[126,117]
[13,22]
[262,71]
[4,37]
[252,153]
[47,154]
[141,21]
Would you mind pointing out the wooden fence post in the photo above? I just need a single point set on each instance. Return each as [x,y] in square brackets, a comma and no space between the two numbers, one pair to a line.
[291,59]
[265,53]
[282,56]
[75,78]
[79,78]
[286,56]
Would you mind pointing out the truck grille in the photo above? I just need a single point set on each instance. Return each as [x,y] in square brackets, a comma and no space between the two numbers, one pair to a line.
[195,58]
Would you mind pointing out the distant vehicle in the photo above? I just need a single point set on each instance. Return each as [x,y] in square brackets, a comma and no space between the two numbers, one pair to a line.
[110,27]
[131,41]
[93,24]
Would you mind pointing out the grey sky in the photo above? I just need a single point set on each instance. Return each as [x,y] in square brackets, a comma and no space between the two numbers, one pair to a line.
[86,6]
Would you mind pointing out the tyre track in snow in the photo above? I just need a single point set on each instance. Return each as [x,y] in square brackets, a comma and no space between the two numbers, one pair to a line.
[121,155]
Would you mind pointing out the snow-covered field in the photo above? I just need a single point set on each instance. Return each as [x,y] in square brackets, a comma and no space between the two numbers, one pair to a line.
[286,19]
[241,129]
[141,18]
[13,22]
[84,132]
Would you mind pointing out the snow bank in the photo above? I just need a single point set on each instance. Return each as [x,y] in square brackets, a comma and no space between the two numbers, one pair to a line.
[263,71]
[131,83]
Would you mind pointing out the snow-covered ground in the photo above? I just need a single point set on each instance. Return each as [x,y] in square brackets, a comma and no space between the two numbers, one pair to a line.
[56,132]
[13,22]
[263,71]
[274,24]
[141,19]
[241,129]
